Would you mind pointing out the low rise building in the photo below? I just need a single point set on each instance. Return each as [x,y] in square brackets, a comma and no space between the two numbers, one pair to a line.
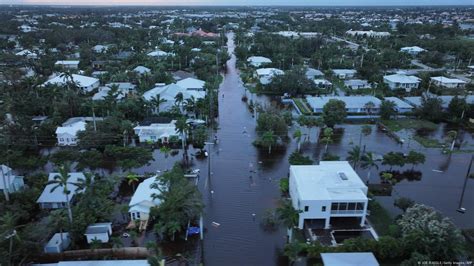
[9,181]
[58,243]
[142,200]
[68,64]
[354,104]
[265,75]
[344,73]
[330,189]
[400,105]
[449,83]
[52,198]
[86,84]
[412,50]
[357,84]
[156,132]
[258,61]
[402,81]
[98,232]
[349,259]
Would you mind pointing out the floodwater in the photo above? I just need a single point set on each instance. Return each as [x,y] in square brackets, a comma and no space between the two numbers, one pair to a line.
[240,188]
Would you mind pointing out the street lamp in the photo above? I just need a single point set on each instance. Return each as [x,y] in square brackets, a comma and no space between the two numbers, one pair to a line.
[461,209]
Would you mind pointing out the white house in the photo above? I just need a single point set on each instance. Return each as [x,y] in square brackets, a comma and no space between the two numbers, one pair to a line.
[168,94]
[58,243]
[123,87]
[67,134]
[328,190]
[86,84]
[68,64]
[142,200]
[312,73]
[344,73]
[258,61]
[322,83]
[28,54]
[356,84]
[369,33]
[412,50]
[401,81]
[265,75]
[448,82]
[349,259]
[354,104]
[57,199]
[400,105]
[156,132]
[192,84]
[159,54]
[99,232]
[99,48]
[10,181]
[142,70]
[104,92]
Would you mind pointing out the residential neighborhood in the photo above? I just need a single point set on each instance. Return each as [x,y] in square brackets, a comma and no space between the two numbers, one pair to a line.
[232,133]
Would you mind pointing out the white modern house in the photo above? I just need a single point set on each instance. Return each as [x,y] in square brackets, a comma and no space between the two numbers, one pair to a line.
[57,199]
[354,104]
[412,50]
[325,191]
[401,81]
[349,259]
[58,243]
[98,232]
[68,64]
[86,84]
[400,105]
[258,61]
[265,75]
[356,84]
[9,181]
[449,83]
[142,200]
[344,73]
[156,132]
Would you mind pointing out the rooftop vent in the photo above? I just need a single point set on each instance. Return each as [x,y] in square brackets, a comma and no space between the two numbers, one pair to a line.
[342,175]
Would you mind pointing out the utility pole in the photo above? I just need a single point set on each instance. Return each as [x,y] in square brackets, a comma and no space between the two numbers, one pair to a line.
[460,208]
[93,119]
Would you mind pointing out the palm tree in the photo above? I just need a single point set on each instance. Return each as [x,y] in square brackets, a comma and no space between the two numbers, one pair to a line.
[268,140]
[368,107]
[172,228]
[178,99]
[288,215]
[190,105]
[355,156]
[368,162]
[297,136]
[85,183]
[364,130]
[327,137]
[116,242]
[61,180]
[156,101]
[8,225]
[132,179]
[182,128]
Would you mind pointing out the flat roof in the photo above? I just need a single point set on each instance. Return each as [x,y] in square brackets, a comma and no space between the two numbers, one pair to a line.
[335,180]
[350,101]
[349,259]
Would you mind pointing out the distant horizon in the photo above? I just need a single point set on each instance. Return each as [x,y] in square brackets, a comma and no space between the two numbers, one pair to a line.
[239,3]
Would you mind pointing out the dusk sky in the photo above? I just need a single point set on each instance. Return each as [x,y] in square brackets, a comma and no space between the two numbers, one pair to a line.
[243,2]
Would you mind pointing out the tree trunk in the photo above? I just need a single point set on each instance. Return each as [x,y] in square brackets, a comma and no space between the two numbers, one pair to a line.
[69,211]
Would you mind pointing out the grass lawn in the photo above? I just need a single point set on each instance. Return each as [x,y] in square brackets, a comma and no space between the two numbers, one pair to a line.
[379,218]
[397,125]
[427,142]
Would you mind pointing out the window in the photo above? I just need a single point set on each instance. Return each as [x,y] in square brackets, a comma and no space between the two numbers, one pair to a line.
[334,206]
[306,208]
[352,206]
[360,206]
[323,209]
[61,139]
[138,215]
[342,206]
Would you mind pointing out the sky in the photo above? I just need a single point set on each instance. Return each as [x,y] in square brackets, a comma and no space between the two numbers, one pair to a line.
[243,2]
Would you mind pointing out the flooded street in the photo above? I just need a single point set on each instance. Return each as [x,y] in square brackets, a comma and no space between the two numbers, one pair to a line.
[239,193]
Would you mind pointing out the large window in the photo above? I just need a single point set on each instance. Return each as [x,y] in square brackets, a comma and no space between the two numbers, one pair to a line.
[347,207]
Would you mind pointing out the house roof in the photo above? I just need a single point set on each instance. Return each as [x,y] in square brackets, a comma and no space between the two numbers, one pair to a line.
[352,102]
[399,103]
[310,72]
[104,92]
[72,129]
[446,80]
[56,239]
[159,130]
[191,83]
[144,194]
[344,71]
[82,81]
[159,53]
[324,181]
[259,60]
[356,82]
[48,196]
[401,78]
[269,71]
[169,92]
[9,178]
[67,62]
[142,69]
[349,259]
[98,228]
[412,49]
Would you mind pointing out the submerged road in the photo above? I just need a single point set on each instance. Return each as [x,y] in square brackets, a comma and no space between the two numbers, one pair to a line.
[240,188]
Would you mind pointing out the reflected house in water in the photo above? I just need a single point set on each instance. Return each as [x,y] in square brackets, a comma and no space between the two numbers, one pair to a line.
[325,191]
